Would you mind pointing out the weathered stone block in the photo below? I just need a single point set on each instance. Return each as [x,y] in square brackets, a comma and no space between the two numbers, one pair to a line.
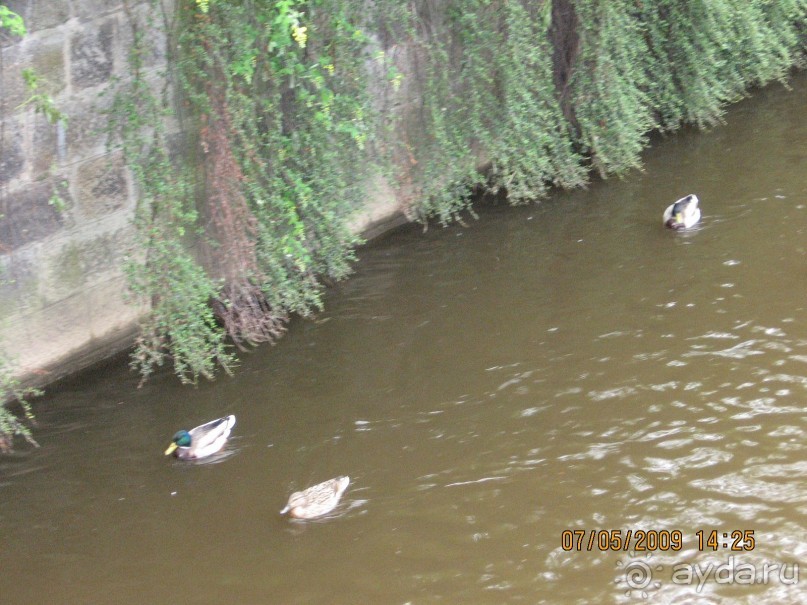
[98,255]
[101,186]
[48,63]
[27,215]
[65,272]
[19,279]
[11,82]
[91,56]
[12,160]
[86,126]
[49,146]
[87,10]
[111,310]
[40,15]
[49,334]
[149,24]
[75,265]
[46,58]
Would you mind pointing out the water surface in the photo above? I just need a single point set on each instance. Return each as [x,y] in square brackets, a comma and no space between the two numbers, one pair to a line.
[563,366]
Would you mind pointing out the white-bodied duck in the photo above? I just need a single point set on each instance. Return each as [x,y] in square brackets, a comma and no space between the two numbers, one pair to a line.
[682,214]
[202,441]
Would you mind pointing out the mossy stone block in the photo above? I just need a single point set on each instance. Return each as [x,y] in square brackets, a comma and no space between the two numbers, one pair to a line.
[12,159]
[39,15]
[19,282]
[87,124]
[101,186]
[67,272]
[89,10]
[91,55]
[45,57]
[27,215]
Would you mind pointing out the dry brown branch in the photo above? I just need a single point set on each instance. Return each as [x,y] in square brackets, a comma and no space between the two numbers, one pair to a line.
[242,306]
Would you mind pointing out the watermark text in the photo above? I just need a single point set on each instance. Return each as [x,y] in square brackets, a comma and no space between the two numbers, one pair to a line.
[643,576]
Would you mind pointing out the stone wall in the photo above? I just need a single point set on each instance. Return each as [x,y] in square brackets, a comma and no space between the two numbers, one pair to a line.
[66,203]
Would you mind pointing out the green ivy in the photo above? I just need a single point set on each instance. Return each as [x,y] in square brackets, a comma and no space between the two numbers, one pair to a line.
[610,97]
[42,102]
[12,393]
[704,54]
[168,278]
[491,89]
[11,21]
[275,102]
[279,116]
[493,102]
[290,100]
[533,147]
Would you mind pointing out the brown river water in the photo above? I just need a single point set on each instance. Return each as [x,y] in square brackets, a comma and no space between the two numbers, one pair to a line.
[501,394]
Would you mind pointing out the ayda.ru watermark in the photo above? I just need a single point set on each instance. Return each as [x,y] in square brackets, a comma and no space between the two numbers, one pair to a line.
[643,576]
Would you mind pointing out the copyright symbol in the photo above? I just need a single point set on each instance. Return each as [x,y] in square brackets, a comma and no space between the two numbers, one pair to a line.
[638,575]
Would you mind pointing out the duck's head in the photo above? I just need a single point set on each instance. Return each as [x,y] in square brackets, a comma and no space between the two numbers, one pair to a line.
[683,212]
[180,439]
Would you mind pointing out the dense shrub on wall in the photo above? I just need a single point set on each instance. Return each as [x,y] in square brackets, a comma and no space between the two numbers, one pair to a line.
[238,234]
[277,104]
[621,68]
[704,54]
[494,98]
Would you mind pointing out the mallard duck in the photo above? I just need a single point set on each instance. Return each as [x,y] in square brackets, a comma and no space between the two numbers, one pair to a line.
[317,500]
[203,440]
[682,214]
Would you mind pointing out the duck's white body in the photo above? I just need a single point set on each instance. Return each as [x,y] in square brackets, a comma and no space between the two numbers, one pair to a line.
[205,439]
[682,214]
[317,500]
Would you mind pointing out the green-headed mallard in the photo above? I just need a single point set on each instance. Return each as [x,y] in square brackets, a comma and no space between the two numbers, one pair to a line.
[317,500]
[203,440]
[682,214]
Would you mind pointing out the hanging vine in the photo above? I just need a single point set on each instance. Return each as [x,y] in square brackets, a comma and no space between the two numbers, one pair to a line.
[276,104]
[278,107]
[12,393]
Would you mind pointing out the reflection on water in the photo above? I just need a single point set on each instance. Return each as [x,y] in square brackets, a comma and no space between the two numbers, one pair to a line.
[565,366]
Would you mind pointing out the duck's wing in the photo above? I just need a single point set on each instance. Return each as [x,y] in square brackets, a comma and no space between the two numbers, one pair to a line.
[334,488]
[212,433]
[693,217]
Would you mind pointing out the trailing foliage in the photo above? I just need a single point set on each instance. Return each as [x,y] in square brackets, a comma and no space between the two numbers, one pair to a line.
[180,323]
[11,393]
[538,92]
[280,90]
[610,85]
[41,102]
[533,147]
[488,94]
[656,65]
[279,104]
[11,21]
[494,86]
[706,53]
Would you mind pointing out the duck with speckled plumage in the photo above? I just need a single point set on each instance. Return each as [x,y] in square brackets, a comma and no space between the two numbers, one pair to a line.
[317,500]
